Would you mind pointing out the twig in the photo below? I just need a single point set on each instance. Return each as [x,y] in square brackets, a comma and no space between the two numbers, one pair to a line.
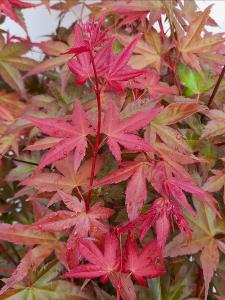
[97,140]
[19,160]
[216,87]
[22,161]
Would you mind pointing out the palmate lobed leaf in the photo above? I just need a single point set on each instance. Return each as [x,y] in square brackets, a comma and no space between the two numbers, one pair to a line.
[82,221]
[135,11]
[146,52]
[144,263]
[44,244]
[122,132]
[49,64]
[101,264]
[107,264]
[72,137]
[176,112]
[192,46]
[66,180]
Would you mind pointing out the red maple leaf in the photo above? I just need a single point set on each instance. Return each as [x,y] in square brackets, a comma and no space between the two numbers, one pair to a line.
[172,185]
[84,222]
[88,36]
[81,65]
[160,214]
[102,264]
[119,72]
[112,70]
[123,132]
[72,136]
[146,262]
[83,68]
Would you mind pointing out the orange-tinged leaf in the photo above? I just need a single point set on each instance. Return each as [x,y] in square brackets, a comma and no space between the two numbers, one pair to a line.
[216,126]
[171,137]
[23,234]
[196,27]
[193,44]
[53,48]
[146,52]
[50,64]
[216,182]
[178,111]
[67,180]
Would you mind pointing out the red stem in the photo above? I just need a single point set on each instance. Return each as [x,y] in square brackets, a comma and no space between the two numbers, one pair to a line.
[199,282]
[97,139]
[173,68]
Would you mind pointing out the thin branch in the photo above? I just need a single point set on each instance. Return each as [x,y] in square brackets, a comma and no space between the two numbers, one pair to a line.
[97,140]
[21,161]
[216,87]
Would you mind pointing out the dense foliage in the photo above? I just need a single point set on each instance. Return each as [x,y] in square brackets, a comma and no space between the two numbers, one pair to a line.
[112,154]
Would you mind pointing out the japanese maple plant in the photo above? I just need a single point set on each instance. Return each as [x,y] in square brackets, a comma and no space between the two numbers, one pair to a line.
[112,154]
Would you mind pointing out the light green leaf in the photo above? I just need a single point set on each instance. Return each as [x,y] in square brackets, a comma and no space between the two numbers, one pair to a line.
[194,82]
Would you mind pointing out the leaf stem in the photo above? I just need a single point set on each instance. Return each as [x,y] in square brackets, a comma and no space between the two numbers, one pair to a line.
[216,87]
[97,139]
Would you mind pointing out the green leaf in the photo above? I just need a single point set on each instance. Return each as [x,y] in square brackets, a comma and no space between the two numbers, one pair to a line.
[194,82]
